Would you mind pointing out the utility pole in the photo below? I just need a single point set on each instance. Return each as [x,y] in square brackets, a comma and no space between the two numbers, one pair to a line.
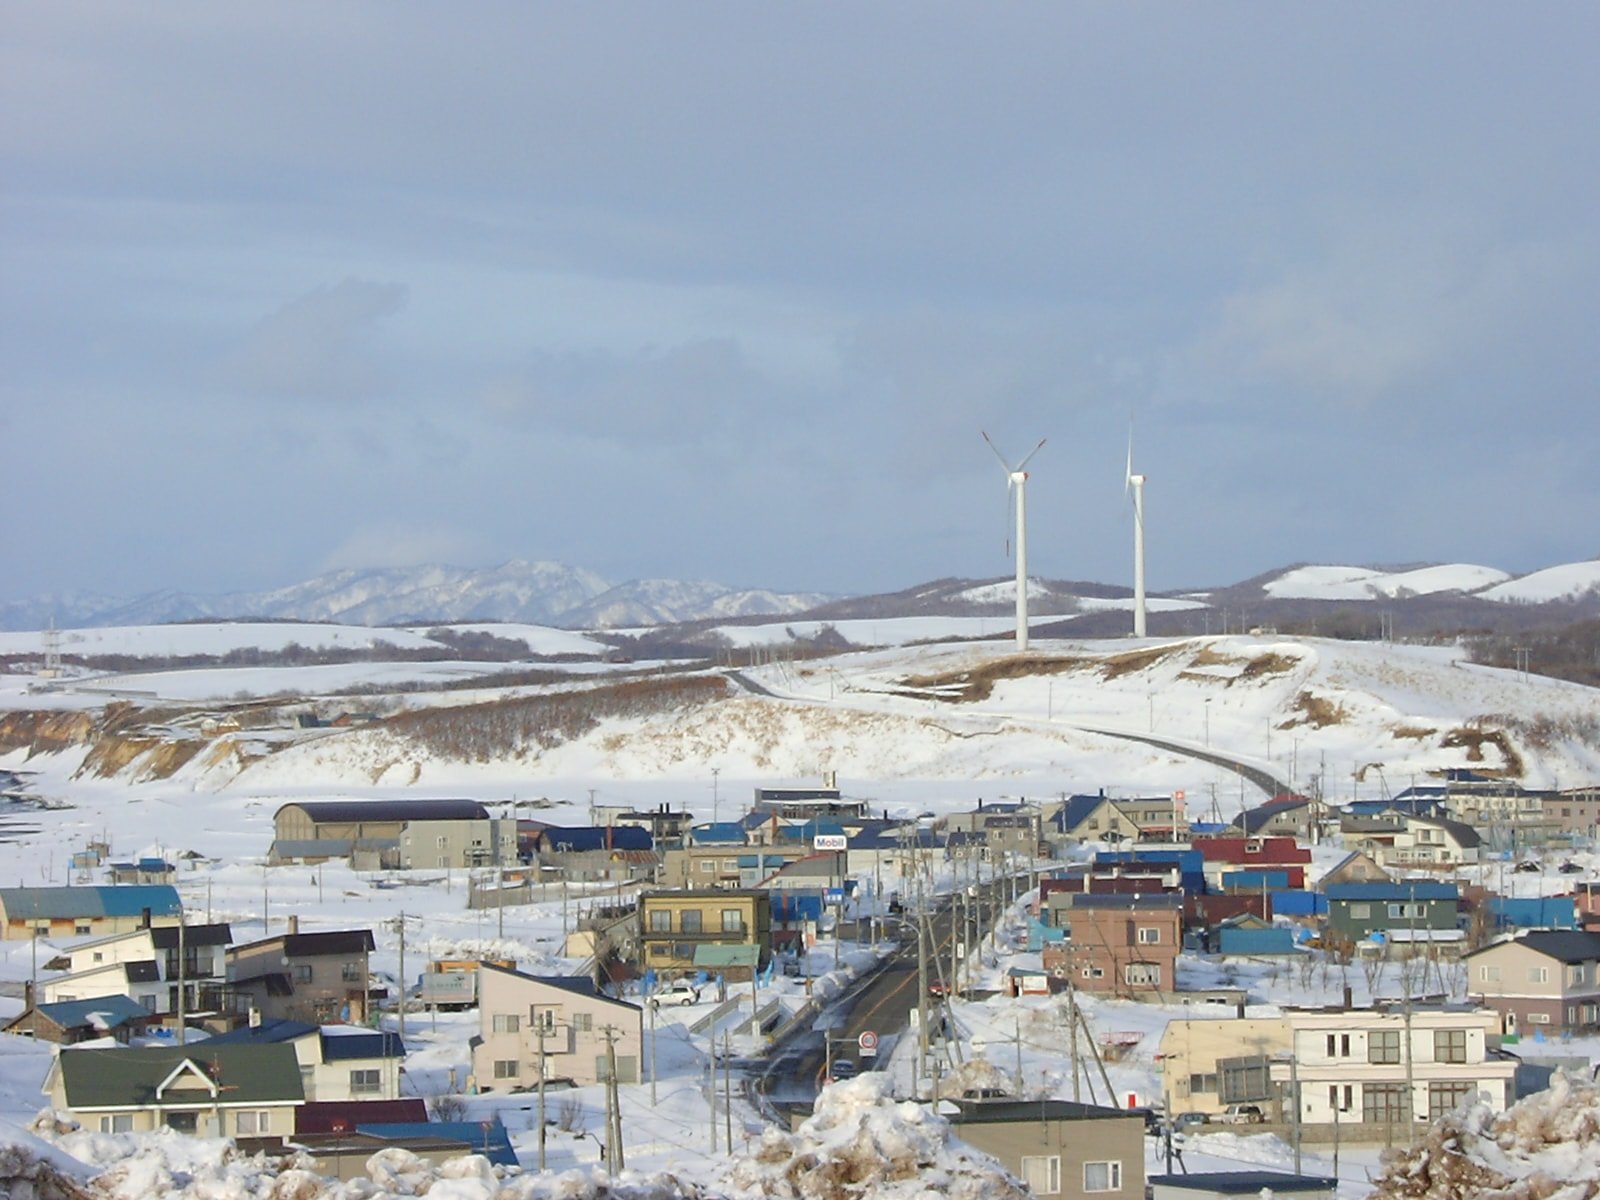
[539,1030]
[1294,1087]
[500,902]
[652,1009]
[182,1040]
[716,795]
[922,1002]
[614,1154]
[402,1005]
[727,1090]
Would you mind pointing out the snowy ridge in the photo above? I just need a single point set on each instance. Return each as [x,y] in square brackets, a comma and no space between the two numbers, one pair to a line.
[1565,582]
[1363,583]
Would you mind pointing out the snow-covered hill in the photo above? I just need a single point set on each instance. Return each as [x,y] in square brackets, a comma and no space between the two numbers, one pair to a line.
[1362,583]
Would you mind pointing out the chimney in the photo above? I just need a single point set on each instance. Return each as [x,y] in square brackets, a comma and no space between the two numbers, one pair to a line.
[1349,998]
[144,918]
[294,924]
[27,996]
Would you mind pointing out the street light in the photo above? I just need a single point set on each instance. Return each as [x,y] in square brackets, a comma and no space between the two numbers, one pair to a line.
[1208,722]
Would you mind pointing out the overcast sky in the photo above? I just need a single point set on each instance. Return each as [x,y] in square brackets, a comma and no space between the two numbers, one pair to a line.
[730,290]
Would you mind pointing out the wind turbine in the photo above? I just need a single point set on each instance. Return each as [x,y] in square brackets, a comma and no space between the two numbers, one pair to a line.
[1134,485]
[1016,483]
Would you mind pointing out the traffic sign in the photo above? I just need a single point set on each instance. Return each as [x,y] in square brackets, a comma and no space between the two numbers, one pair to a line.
[868,1041]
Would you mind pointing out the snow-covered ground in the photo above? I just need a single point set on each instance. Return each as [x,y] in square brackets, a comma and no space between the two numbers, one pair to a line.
[914,729]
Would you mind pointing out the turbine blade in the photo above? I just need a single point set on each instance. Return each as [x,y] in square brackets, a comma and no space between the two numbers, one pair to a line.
[1127,474]
[997,453]
[1031,453]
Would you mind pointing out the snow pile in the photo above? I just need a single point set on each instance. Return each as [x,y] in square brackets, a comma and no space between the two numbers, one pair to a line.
[1546,1147]
[860,1141]
[32,1169]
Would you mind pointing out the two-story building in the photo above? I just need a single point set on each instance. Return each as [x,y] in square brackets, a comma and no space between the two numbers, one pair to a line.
[676,929]
[62,912]
[1391,1066]
[1253,864]
[148,965]
[558,1025]
[1357,910]
[404,834]
[336,1062]
[1206,1065]
[1122,945]
[1539,980]
[1100,818]
[318,978]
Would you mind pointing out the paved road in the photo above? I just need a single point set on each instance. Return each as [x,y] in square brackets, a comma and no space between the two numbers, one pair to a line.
[1263,779]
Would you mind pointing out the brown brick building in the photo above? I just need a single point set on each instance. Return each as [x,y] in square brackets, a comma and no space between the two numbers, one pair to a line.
[1121,945]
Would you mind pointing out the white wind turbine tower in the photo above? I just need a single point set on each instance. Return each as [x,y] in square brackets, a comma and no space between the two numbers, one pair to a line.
[1016,482]
[1134,485]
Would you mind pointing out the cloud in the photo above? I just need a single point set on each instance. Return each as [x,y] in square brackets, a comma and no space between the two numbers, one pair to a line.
[316,346]
[682,394]
[407,544]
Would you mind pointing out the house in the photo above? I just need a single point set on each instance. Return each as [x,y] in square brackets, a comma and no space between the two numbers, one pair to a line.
[725,866]
[1226,1185]
[404,834]
[1369,1070]
[665,825]
[807,803]
[1285,815]
[313,977]
[1253,863]
[1575,811]
[1122,945]
[1059,1147]
[1539,981]
[560,1026]
[1357,910]
[86,911]
[675,926]
[73,1021]
[1400,839]
[1356,867]
[1099,818]
[143,870]
[589,854]
[144,965]
[248,1092]
[336,1062]
[1206,1065]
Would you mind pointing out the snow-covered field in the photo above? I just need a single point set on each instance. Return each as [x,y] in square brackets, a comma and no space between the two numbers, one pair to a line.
[928,728]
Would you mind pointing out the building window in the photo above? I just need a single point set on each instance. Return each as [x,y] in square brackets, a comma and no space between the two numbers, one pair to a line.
[1340,1103]
[1102,1176]
[1360,912]
[1149,936]
[1538,1018]
[351,972]
[1248,1077]
[1042,1173]
[1444,1098]
[1538,974]
[1487,974]
[1205,1081]
[302,972]
[443,841]
[690,921]
[117,1123]
[1384,1103]
[367,1082]
[506,1022]
[583,1022]
[505,1068]
[733,920]
[660,921]
[1383,1046]
[708,865]
[1406,911]
[1142,974]
[1578,974]
[1450,1046]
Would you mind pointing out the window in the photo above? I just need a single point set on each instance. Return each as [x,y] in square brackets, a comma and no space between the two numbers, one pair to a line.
[117,1123]
[1203,1082]
[1149,936]
[1578,974]
[302,972]
[1142,974]
[1488,974]
[1247,1077]
[1383,1046]
[351,972]
[660,921]
[1538,974]
[443,841]
[98,956]
[1337,1102]
[583,1022]
[1102,1176]
[690,918]
[1384,1102]
[80,929]
[1538,1018]
[1445,1097]
[1407,911]
[505,1068]
[506,1022]
[252,1122]
[708,865]
[1450,1046]
[365,1082]
[1360,912]
[733,920]
[1042,1173]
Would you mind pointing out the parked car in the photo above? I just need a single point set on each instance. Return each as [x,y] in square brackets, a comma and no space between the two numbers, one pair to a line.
[1527,866]
[1189,1120]
[1242,1114]
[1569,868]
[843,1068]
[679,991]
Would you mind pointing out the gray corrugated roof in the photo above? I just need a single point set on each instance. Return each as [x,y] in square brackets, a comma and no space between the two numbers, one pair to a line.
[390,810]
[1563,945]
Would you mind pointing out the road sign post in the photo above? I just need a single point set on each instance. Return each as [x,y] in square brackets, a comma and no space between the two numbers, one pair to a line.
[868,1044]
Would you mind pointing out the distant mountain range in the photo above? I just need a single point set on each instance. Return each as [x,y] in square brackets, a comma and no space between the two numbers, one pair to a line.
[548,593]
[536,593]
